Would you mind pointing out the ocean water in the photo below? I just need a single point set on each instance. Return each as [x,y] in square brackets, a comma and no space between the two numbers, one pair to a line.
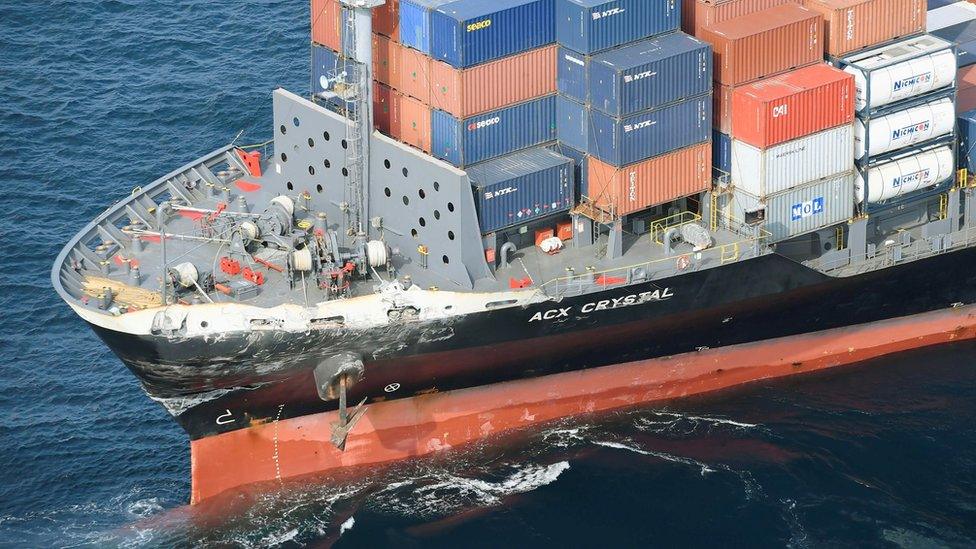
[97,97]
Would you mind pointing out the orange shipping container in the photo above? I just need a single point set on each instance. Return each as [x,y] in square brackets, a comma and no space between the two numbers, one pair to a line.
[792,105]
[851,25]
[765,43]
[696,14]
[326,24]
[414,68]
[494,85]
[386,19]
[410,121]
[651,182]
[385,61]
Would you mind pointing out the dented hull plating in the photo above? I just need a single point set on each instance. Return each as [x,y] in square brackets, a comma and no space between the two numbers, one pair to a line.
[406,428]
[240,380]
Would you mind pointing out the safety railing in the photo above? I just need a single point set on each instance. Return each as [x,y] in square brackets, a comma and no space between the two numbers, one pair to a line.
[592,280]
[895,253]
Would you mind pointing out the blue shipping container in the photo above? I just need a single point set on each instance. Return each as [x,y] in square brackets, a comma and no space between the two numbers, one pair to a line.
[621,141]
[579,164]
[958,33]
[572,72]
[649,74]
[521,187]
[966,54]
[470,32]
[326,66]
[967,141]
[721,152]
[589,26]
[467,141]
[415,22]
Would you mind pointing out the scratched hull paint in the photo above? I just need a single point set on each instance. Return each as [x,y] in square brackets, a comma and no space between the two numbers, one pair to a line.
[432,423]
[714,308]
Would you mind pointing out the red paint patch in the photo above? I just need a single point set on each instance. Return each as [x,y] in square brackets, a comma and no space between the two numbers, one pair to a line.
[247,186]
[150,238]
[118,259]
[195,216]
[609,280]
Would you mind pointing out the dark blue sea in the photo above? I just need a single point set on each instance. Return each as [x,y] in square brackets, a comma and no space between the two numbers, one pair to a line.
[97,97]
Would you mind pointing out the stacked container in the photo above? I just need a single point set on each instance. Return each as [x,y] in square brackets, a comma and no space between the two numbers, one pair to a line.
[905,127]
[957,23]
[634,105]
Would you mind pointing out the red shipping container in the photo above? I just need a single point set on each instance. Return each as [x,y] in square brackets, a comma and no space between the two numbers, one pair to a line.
[410,121]
[696,14]
[966,76]
[326,24]
[851,25]
[494,85]
[765,43]
[386,19]
[965,100]
[385,61]
[722,108]
[650,182]
[382,107]
[791,105]
[414,69]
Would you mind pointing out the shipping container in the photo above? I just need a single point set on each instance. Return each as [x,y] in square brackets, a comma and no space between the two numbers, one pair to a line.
[518,188]
[386,19]
[966,100]
[721,153]
[964,31]
[589,26]
[900,71]
[327,23]
[944,17]
[696,14]
[493,85]
[386,61]
[382,107]
[627,140]
[410,121]
[967,141]
[467,141]
[904,128]
[415,22]
[580,163]
[470,32]
[799,210]
[907,174]
[572,72]
[654,181]
[414,73]
[722,108]
[791,105]
[852,25]
[649,74]
[966,54]
[768,171]
[764,44]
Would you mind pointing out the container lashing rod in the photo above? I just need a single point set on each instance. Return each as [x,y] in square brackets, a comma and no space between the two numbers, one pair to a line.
[341,428]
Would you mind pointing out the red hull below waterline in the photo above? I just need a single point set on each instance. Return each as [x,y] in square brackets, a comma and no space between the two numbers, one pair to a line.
[411,427]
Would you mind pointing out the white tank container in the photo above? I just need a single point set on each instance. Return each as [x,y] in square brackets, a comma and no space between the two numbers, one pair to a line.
[904,128]
[761,172]
[900,71]
[905,175]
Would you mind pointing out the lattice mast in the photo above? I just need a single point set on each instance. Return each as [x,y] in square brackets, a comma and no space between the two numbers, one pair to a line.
[358,39]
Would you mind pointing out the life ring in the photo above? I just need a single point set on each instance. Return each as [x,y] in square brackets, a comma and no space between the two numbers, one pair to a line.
[683,262]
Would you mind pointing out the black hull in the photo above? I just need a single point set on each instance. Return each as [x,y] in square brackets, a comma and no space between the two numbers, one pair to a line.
[742,302]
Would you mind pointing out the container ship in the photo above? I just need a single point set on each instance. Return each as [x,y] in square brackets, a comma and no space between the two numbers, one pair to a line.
[489,214]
